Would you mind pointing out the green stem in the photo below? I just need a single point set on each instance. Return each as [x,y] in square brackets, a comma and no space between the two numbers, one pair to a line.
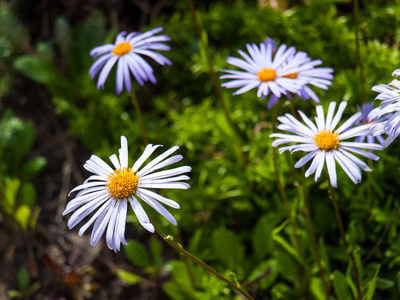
[312,235]
[216,86]
[186,253]
[139,114]
[283,193]
[210,65]
[343,236]
[358,52]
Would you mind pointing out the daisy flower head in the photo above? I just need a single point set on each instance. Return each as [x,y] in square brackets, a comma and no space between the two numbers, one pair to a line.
[301,67]
[263,69]
[365,110]
[108,192]
[326,145]
[386,117]
[128,50]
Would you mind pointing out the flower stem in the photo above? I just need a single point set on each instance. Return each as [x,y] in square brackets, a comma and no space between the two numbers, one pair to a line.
[358,52]
[312,235]
[186,253]
[343,236]
[214,80]
[283,193]
[139,113]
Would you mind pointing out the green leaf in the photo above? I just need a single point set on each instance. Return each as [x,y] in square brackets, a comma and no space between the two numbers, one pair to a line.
[262,240]
[267,271]
[341,287]
[289,248]
[10,193]
[22,215]
[228,248]
[14,294]
[317,288]
[137,253]
[23,279]
[128,277]
[383,284]
[40,70]
[33,167]
[156,249]
[283,291]
[27,194]
[181,287]
[288,267]
[369,288]
[175,292]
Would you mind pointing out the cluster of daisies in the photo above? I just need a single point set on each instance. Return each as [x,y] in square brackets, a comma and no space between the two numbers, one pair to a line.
[275,71]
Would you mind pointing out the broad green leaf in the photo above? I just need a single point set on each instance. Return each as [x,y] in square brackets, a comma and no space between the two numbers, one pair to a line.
[23,279]
[288,267]
[182,287]
[341,287]
[383,284]
[42,71]
[317,288]
[267,271]
[262,239]
[33,167]
[228,248]
[22,215]
[129,277]
[27,194]
[10,194]
[156,249]
[14,294]
[175,291]
[137,253]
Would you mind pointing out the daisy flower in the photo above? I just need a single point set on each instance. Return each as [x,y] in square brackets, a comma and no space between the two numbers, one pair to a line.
[365,111]
[303,68]
[325,144]
[109,190]
[127,51]
[263,69]
[387,115]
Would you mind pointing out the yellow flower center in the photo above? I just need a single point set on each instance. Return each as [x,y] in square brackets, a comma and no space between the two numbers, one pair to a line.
[122,183]
[327,140]
[122,48]
[291,75]
[266,75]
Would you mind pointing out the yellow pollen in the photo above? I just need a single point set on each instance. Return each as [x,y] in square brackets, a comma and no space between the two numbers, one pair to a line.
[291,75]
[327,140]
[122,48]
[266,75]
[122,183]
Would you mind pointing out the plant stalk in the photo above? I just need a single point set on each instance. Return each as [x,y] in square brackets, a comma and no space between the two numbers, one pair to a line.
[186,253]
[312,235]
[282,191]
[210,67]
[139,114]
[358,51]
[343,236]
